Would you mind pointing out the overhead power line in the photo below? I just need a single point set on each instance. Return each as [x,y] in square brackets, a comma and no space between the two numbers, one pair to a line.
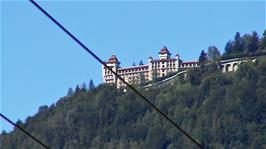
[119,77]
[23,130]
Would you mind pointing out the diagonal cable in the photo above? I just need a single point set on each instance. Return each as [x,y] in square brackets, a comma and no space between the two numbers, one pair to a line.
[118,76]
[23,130]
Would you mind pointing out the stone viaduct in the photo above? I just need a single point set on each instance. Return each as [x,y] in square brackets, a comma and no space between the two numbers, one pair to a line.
[230,65]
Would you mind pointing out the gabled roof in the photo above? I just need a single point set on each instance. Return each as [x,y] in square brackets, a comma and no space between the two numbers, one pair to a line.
[164,50]
[113,59]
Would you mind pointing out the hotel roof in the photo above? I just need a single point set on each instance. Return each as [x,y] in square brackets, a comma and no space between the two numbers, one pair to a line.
[113,59]
[164,50]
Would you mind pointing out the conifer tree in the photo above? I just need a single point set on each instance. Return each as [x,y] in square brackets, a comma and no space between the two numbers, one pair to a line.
[263,41]
[247,41]
[254,43]
[228,47]
[91,85]
[84,86]
[203,57]
[140,63]
[77,89]
[238,44]
[213,53]
[70,92]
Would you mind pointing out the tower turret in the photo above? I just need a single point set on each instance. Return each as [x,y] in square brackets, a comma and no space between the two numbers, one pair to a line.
[113,60]
[177,57]
[164,53]
[150,59]
[114,64]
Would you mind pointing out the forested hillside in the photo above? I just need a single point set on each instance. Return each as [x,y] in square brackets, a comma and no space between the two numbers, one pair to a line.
[219,110]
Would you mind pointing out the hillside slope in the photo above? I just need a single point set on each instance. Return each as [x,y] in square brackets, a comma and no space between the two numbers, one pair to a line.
[220,110]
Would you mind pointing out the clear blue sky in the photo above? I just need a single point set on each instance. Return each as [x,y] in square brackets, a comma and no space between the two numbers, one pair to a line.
[39,62]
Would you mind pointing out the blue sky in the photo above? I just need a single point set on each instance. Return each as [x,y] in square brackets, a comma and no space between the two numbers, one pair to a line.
[39,62]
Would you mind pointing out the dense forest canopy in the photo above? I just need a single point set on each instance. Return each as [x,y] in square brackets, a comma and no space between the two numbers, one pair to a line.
[246,45]
[240,46]
[220,110]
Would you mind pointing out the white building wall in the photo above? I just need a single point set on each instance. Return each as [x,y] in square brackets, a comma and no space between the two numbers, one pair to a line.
[150,74]
[159,67]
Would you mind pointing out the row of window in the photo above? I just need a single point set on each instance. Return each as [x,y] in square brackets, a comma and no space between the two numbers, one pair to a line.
[133,70]
[109,81]
[107,72]
[189,65]
[157,65]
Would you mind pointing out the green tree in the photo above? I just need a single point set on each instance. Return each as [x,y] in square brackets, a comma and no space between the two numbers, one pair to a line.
[213,53]
[70,92]
[253,44]
[77,89]
[19,122]
[238,44]
[140,63]
[84,86]
[263,41]
[43,108]
[91,85]
[203,58]
[247,42]
[228,47]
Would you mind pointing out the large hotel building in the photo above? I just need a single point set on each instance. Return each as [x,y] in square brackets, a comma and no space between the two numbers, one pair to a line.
[154,69]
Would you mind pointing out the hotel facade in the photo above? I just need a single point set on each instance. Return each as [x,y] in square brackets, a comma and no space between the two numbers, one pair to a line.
[155,68]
